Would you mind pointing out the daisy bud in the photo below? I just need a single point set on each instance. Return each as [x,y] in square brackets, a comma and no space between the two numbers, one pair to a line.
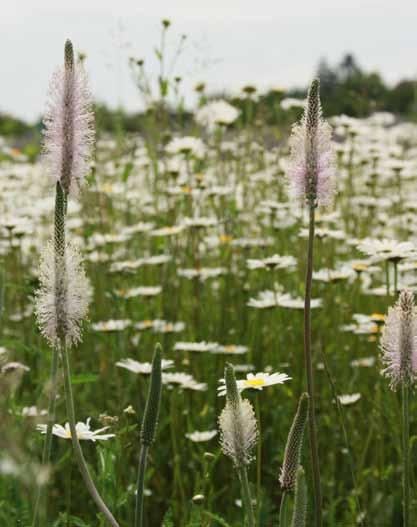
[237,423]
[294,445]
[68,121]
[300,501]
[153,402]
[311,161]
[398,341]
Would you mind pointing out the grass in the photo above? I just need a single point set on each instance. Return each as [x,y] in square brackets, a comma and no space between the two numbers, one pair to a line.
[129,186]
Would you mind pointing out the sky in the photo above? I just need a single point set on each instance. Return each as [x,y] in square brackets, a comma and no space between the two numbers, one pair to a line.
[229,43]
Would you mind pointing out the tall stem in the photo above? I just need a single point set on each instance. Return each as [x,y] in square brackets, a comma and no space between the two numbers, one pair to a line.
[46,455]
[387,278]
[246,497]
[406,455]
[283,510]
[82,465]
[258,457]
[309,372]
[140,485]
[59,248]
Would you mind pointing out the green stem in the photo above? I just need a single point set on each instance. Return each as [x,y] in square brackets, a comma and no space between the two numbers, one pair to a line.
[246,497]
[79,456]
[46,455]
[143,456]
[344,431]
[395,278]
[283,521]
[406,455]
[258,456]
[309,372]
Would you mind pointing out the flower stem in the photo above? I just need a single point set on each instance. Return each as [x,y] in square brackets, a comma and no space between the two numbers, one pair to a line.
[395,278]
[79,456]
[246,497]
[46,455]
[406,455]
[143,456]
[309,371]
[283,510]
[258,457]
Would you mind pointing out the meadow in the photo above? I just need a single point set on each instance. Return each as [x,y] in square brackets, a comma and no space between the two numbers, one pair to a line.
[192,237]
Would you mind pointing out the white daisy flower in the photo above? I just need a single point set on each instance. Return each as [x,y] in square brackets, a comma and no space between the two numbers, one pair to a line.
[83,430]
[348,399]
[201,437]
[256,381]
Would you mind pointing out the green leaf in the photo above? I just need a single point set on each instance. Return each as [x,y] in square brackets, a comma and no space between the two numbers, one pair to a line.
[126,172]
[217,518]
[84,378]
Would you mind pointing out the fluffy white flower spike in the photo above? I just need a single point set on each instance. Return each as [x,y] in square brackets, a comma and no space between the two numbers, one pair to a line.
[237,423]
[311,166]
[399,341]
[63,298]
[68,120]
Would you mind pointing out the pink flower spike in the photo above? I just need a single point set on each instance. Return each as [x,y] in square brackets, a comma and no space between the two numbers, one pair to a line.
[69,124]
[311,167]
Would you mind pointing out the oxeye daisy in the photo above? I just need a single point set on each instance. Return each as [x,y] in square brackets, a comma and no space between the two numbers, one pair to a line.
[257,381]
[84,431]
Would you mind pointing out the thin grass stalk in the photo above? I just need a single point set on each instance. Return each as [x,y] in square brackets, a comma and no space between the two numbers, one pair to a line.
[283,510]
[309,371]
[148,429]
[79,456]
[300,500]
[246,496]
[395,278]
[406,454]
[143,457]
[47,447]
[344,431]
[258,456]
[59,245]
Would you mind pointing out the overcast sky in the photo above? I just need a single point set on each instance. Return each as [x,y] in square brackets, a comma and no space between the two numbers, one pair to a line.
[230,42]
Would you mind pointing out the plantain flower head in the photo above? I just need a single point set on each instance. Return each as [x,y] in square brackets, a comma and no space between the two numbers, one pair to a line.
[63,297]
[311,166]
[68,121]
[398,341]
[237,423]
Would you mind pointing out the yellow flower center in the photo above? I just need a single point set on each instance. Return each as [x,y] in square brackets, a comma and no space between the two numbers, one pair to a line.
[230,349]
[360,267]
[255,382]
[378,318]
[107,188]
[225,238]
